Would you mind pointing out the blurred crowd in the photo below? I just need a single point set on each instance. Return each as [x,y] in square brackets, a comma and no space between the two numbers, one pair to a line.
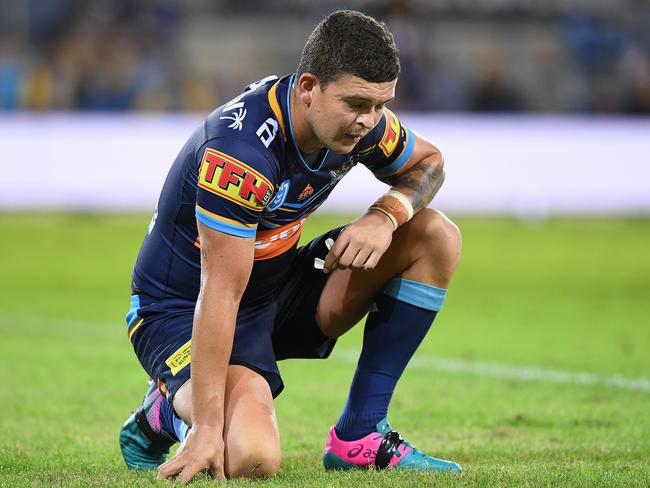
[115,55]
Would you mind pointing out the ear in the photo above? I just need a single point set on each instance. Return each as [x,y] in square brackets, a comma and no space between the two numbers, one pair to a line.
[306,86]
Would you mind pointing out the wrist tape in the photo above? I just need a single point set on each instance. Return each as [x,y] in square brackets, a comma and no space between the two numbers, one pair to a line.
[396,206]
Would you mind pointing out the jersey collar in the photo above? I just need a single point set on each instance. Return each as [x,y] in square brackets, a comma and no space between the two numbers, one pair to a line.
[299,157]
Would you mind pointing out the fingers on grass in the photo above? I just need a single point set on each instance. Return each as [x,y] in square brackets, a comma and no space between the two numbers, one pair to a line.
[169,469]
[189,472]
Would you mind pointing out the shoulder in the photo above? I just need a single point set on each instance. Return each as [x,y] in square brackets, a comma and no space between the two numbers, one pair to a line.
[387,146]
[237,170]
[248,117]
[383,136]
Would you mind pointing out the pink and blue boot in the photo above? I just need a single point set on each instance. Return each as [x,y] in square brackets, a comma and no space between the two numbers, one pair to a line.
[144,445]
[383,449]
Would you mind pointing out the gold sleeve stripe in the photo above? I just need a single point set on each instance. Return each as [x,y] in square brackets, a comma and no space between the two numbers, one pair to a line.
[134,327]
[275,106]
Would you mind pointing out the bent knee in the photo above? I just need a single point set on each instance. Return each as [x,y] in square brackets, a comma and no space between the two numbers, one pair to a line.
[254,464]
[437,232]
[436,241]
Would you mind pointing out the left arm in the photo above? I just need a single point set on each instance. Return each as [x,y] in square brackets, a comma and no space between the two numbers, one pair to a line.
[421,176]
[362,243]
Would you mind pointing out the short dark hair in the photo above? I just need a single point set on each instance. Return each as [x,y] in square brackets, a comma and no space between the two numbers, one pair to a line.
[349,42]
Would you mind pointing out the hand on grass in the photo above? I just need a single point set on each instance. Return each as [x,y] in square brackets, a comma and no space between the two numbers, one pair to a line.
[203,450]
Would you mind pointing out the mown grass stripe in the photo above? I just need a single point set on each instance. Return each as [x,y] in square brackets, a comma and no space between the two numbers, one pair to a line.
[446,365]
[512,372]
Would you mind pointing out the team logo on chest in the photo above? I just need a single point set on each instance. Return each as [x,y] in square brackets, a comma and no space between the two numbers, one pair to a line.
[228,177]
[280,197]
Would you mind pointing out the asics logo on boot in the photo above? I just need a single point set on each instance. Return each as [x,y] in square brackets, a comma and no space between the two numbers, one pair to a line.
[358,449]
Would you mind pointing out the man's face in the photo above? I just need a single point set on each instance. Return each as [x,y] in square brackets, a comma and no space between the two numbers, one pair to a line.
[346,110]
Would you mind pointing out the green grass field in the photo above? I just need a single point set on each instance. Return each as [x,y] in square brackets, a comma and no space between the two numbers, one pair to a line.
[563,297]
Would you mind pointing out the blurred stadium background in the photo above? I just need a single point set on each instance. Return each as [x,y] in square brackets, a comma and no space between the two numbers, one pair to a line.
[572,56]
[539,107]
[542,110]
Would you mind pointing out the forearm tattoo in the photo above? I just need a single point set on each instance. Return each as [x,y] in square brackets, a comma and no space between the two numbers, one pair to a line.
[424,180]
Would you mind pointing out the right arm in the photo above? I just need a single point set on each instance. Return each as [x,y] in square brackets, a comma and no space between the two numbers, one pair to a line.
[226,263]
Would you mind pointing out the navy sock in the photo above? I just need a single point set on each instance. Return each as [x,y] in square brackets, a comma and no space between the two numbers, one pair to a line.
[405,311]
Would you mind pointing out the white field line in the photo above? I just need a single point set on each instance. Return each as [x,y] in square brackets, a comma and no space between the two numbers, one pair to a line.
[511,372]
[61,327]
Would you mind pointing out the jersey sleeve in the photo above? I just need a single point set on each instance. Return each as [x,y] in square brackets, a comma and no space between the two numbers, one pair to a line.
[235,183]
[387,147]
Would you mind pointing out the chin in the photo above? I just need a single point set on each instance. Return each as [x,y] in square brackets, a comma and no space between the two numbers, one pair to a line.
[341,149]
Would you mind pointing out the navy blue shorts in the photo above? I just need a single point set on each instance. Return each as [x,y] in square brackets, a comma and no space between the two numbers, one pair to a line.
[282,327]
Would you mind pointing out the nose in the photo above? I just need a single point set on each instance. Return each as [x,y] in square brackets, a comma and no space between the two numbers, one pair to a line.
[366,120]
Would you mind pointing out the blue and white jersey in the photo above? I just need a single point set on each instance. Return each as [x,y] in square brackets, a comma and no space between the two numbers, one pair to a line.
[243,174]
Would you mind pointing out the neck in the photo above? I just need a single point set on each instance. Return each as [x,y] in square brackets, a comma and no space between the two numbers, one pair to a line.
[303,134]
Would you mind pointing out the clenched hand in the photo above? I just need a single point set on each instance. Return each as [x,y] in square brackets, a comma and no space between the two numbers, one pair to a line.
[361,244]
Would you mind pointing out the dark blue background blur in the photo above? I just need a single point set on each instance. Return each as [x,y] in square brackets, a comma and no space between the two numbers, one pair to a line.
[581,56]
